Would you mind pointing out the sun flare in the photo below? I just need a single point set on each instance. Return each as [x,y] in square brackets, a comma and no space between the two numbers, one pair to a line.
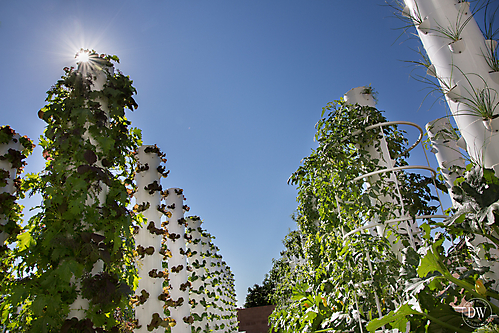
[82,56]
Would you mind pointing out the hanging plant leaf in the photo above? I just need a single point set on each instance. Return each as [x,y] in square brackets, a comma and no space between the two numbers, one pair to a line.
[177,269]
[141,168]
[106,163]
[90,156]
[185,286]
[153,187]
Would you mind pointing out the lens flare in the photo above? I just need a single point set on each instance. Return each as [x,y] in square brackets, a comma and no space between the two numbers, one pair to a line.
[82,56]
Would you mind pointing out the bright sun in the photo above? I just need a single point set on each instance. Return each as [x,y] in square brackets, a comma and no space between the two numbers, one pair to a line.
[82,56]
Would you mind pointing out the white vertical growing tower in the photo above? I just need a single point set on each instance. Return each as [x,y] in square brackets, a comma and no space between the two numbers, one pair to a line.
[460,59]
[9,171]
[198,274]
[149,307]
[177,264]
[465,65]
[98,71]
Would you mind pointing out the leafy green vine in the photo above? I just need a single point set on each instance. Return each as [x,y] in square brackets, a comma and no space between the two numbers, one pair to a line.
[83,218]
[342,282]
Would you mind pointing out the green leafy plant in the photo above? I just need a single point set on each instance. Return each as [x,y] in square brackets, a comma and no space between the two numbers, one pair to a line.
[368,90]
[454,30]
[340,283]
[88,149]
[482,101]
[423,62]
[442,280]
[490,31]
[492,59]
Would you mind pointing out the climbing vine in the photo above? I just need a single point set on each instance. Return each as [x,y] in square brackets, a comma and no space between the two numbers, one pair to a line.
[343,280]
[83,219]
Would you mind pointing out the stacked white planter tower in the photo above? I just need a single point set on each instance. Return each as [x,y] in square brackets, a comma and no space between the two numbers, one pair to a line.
[177,264]
[148,238]
[192,294]
[402,223]
[228,299]
[98,70]
[198,275]
[206,250]
[6,166]
[463,73]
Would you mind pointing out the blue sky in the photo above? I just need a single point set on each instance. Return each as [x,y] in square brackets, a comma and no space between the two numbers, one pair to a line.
[230,90]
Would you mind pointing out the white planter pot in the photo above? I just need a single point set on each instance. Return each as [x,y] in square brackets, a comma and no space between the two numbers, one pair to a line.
[431,71]
[492,124]
[491,44]
[406,12]
[425,26]
[457,46]
[494,76]
[454,94]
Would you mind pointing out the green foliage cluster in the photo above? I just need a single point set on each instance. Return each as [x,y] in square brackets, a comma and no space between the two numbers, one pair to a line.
[339,282]
[10,210]
[442,279]
[259,295]
[89,149]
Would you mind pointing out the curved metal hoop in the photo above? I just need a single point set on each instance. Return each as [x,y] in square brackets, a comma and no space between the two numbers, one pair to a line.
[407,218]
[405,167]
[401,122]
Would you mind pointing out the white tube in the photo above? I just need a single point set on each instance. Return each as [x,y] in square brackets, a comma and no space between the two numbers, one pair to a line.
[465,72]
[5,165]
[98,75]
[177,264]
[148,241]
[444,146]
[198,275]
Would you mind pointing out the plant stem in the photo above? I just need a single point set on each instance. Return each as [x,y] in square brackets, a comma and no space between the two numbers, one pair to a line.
[444,324]
[471,290]
[492,239]
[496,229]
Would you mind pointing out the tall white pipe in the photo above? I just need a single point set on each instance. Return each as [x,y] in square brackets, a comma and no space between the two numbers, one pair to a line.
[363,97]
[148,241]
[444,145]
[97,73]
[216,288]
[5,165]
[467,74]
[177,264]
[464,72]
[198,275]
[206,247]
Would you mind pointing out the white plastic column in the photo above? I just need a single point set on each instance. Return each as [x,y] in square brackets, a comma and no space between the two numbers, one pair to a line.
[465,71]
[209,290]
[444,146]
[356,95]
[14,144]
[198,275]
[98,75]
[148,242]
[177,264]
[216,286]
[225,297]
[231,298]
[462,71]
